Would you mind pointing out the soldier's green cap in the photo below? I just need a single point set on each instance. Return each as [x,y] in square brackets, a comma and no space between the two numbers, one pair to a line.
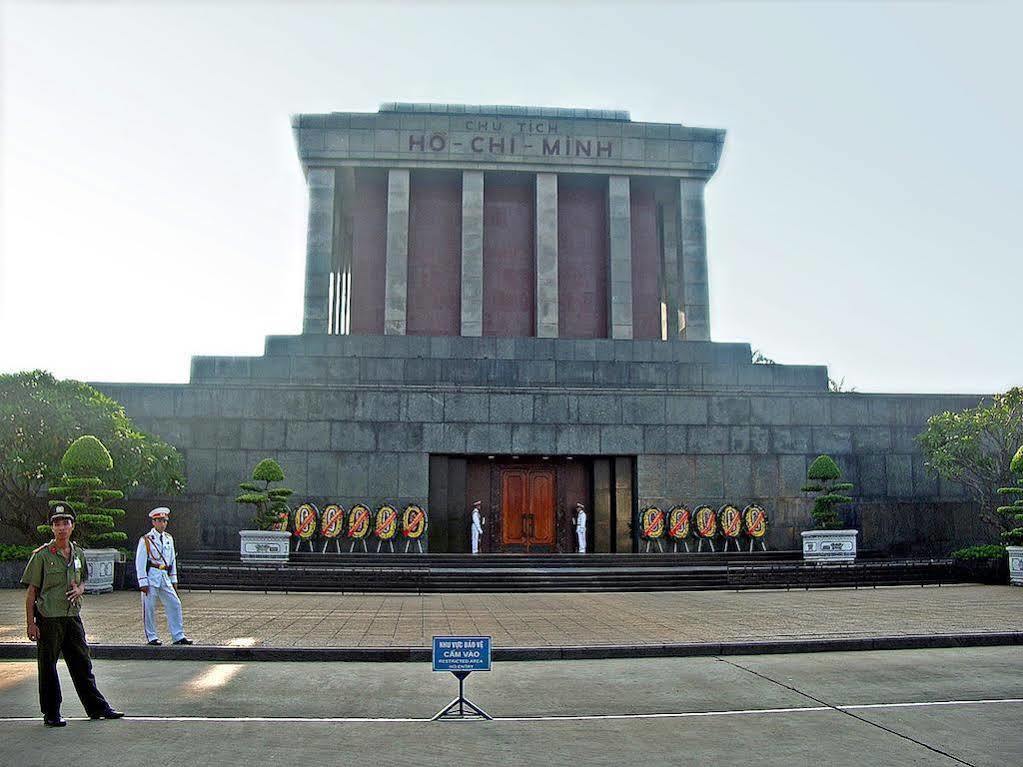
[62,511]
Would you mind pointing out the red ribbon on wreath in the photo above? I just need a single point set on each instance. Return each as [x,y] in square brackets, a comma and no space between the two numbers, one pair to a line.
[413,521]
[682,521]
[303,529]
[656,521]
[384,522]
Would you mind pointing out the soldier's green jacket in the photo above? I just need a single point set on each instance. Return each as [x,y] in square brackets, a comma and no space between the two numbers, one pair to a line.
[52,575]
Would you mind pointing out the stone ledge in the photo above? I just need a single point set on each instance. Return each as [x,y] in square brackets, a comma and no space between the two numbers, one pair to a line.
[25,651]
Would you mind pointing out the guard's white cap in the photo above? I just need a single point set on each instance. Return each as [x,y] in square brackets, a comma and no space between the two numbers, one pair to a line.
[159,512]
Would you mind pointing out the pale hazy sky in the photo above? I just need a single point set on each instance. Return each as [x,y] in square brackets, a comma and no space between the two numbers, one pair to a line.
[866,213]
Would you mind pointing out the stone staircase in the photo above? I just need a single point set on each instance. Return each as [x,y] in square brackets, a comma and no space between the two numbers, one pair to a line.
[450,573]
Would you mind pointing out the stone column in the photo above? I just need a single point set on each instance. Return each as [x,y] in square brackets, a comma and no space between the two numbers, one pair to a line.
[318,249]
[693,237]
[671,287]
[546,255]
[396,263]
[472,253]
[619,218]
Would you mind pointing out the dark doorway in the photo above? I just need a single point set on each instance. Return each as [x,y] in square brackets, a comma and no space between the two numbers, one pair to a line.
[528,502]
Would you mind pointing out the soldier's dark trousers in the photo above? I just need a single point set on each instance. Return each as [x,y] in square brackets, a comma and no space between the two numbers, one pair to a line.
[65,636]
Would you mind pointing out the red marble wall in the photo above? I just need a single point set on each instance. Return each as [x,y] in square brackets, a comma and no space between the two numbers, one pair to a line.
[509,279]
[369,251]
[582,257]
[435,254]
[646,264]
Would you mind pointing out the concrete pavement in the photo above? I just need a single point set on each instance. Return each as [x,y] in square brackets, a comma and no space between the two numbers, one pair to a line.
[248,619]
[914,707]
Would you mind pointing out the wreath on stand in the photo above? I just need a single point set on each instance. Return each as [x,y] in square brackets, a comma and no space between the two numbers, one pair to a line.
[679,526]
[358,525]
[651,526]
[332,522]
[755,521]
[413,526]
[305,525]
[386,526]
[706,526]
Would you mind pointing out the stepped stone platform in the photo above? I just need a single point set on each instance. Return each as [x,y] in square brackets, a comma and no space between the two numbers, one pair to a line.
[462,573]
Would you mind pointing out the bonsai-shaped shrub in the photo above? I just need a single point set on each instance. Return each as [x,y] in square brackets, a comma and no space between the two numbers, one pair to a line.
[1014,511]
[85,463]
[271,502]
[824,478]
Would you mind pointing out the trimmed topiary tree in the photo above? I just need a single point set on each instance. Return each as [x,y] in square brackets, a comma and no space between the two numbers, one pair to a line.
[40,416]
[1014,511]
[271,502]
[824,478]
[84,465]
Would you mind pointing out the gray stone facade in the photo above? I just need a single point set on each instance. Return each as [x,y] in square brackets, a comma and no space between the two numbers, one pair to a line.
[355,419]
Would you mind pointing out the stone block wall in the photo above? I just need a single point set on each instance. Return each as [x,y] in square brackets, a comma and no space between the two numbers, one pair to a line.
[355,419]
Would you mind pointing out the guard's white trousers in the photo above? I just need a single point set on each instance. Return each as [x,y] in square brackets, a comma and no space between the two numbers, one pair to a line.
[581,535]
[475,541]
[171,605]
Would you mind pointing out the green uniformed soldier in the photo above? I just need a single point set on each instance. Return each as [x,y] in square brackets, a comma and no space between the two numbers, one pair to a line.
[55,577]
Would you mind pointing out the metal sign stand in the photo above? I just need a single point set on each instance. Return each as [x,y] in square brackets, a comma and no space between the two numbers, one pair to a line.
[462,702]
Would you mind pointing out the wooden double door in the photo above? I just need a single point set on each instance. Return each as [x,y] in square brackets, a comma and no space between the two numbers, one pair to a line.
[529,501]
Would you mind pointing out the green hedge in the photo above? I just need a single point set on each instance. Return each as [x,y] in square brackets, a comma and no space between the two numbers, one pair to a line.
[10,553]
[992,551]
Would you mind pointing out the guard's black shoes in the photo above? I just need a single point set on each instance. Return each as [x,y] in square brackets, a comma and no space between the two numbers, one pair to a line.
[184,640]
[108,714]
[55,721]
[155,642]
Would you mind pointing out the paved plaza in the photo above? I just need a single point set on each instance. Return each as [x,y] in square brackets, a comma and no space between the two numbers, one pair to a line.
[908,707]
[246,619]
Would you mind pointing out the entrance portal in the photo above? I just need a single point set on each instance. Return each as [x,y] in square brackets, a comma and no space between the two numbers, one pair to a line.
[528,505]
[528,502]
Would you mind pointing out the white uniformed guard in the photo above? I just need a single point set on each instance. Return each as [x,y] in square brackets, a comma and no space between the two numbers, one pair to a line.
[477,526]
[580,526]
[156,568]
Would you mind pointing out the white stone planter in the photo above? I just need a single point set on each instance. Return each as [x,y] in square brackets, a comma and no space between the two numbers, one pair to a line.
[100,565]
[265,545]
[830,545]
[1015,565]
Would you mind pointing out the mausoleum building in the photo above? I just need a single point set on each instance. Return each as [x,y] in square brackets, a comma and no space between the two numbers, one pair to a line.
[511,304]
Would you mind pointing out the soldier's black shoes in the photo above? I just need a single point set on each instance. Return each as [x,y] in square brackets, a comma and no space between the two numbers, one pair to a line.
[155,642]
[110,713]
[184,640]
[55,721]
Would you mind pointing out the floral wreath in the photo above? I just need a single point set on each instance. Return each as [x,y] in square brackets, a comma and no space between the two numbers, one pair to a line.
[755,519]
[413,522]
[679,523]
[358,522]
[305,521]
[387,522]
[731,521]
[651,523]
[706,522]
[332,521]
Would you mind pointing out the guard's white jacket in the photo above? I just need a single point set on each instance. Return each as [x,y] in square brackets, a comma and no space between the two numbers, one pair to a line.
[159,549]
[580,522]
